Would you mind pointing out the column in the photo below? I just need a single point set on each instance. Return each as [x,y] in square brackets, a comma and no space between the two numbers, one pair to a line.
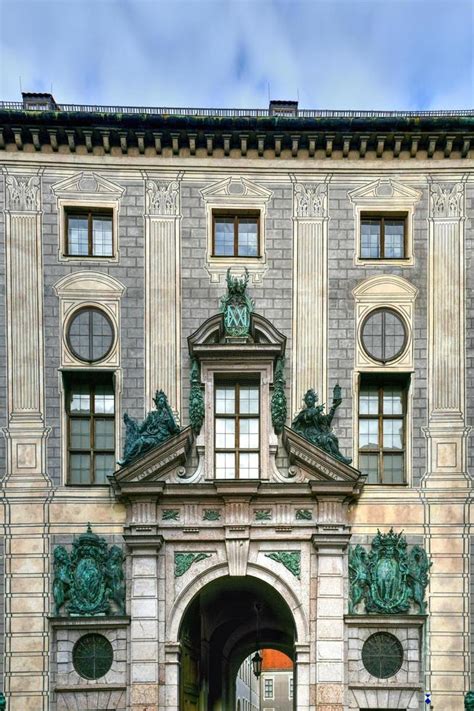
[310,292]
[446,483]
[162,293]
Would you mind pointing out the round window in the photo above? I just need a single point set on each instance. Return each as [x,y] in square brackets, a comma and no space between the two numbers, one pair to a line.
[92,656]
[384,335]
[90,335]
[382,655]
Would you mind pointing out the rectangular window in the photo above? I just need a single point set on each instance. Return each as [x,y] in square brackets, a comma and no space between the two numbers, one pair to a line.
[236,234]
[268,688]
[90,408]
[382,424]
[383,236]
[89,233]
[237,430]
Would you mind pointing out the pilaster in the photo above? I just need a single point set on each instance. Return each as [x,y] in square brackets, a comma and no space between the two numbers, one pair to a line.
[310,291]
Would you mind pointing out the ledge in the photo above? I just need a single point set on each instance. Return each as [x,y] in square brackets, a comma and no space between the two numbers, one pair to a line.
[86,687]
[88,622]
[385,620]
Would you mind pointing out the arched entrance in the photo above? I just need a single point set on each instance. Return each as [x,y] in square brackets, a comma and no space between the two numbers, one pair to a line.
[221,626]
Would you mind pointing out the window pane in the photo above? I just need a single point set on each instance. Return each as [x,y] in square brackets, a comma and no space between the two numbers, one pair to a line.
[393,469]
[79,335]
[372,335]
[225,465]
[248,435]
[393,401]
[80,398]
[369,400]
[394,239]
[225,433]
[80,434]
[102,236]
[104,400]
[394,335]
[224,237]
[370,239]
[249,400]
[104,464]
[248,237]
[225,400]
[368,434]
[393,434]
[77,235]
[104,434]
[369,464]
[248,465]
[101,335]
[79,468]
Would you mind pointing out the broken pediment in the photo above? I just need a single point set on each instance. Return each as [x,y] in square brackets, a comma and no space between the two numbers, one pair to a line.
[316,465]
[379,191]
[163,463]
[87,184]
[235,190]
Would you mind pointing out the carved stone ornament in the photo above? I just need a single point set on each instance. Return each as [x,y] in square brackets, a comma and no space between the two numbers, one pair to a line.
[304,515]
[162,198]
[278,404]
[237,306]
[183,561]
[211,515]
[388,579]
[315,426]
[23,192]
[311,200]
[446,202]
[158,426]
[170,515]
[290,559]
[196,399]
[468,701]
[89,580]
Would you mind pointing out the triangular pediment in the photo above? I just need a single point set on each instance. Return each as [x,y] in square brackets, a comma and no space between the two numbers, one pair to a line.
[87,184]
[319,466]
[161,464]
[236,190]
[378,191]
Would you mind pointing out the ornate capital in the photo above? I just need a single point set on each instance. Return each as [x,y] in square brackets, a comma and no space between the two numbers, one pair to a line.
[23,192]
[162,198]
[447,201]
[311,200]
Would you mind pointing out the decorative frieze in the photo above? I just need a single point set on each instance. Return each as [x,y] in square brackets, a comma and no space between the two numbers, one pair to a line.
[211,515]
[170,515]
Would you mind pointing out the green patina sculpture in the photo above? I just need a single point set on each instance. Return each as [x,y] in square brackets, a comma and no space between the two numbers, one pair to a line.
[237,306]
[196,399]
[3,702]
[263,515]
[315,426]
[304,515]
[388,579]
[183,561]
[469,701]
[290,559]
[158,426]
[211,515]
[278,403]
[90,578]
[170,515]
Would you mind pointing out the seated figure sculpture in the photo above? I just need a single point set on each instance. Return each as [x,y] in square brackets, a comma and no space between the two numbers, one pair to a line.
[158,426]
[315,426]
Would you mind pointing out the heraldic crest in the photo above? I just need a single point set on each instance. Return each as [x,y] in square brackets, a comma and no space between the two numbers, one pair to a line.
[237,306]
[388,579]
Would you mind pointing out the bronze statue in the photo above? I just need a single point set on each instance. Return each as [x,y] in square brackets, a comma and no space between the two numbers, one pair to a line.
[158,426]
[115,581]
[62,578]
[315,426]
[469,701]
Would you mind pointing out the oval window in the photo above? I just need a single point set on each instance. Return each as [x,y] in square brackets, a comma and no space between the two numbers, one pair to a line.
[382,655]
[92,656]
[384,335]
[90,335]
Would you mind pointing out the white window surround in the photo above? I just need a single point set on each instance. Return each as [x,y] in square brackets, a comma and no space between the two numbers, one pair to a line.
[385,196]
[235,193]
[266,696]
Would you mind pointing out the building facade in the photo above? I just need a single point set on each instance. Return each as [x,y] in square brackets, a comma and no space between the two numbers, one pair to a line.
[242,509]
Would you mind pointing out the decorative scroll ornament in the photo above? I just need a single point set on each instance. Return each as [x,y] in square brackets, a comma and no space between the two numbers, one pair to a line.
[89,581]
[158,426]
[183,561]
[23,192]
[237,306]
[314,426]
[290,559]
[311,200]
[196,399]
[447,202]
[388,579]
[162,198]
[468,701]
[278,403]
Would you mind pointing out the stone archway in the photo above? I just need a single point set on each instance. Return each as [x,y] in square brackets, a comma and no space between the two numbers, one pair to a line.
[218,631]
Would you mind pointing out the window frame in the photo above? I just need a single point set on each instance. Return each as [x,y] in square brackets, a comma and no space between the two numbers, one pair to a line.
[381,382]
[382,217]
[73,316]
[236,215]
[71,211]
[92,378]
[370,314]
[271,680]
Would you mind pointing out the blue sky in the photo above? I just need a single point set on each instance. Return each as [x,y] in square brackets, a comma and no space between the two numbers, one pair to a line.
[379,54]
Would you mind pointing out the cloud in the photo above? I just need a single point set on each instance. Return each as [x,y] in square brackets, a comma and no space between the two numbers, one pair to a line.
[406,54]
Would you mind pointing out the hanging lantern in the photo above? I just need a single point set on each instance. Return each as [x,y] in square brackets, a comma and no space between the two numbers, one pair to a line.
[257,664]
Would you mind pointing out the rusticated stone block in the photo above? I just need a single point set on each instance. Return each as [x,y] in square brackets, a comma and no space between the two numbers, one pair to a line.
[330,694]
[144,694]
